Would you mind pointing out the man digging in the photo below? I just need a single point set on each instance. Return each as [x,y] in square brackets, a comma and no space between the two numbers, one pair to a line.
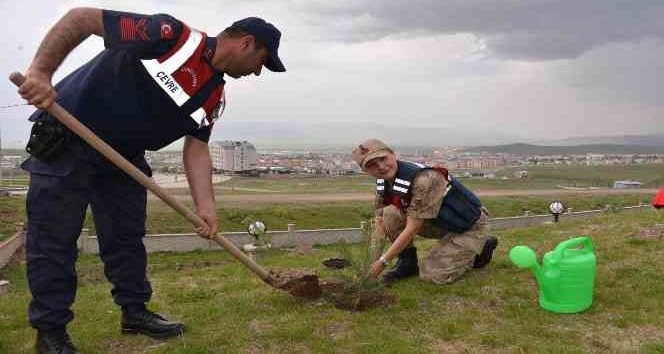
[411,200]
[157,80]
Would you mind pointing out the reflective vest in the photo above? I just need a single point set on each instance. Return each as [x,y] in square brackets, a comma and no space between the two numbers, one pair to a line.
[181,72]
[460,208]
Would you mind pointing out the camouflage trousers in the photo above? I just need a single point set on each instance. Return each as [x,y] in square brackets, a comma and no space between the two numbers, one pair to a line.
[451,256]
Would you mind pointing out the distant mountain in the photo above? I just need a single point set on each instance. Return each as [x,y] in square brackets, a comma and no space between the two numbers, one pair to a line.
[265,134]
[641,140]
[341,135]
[529,149]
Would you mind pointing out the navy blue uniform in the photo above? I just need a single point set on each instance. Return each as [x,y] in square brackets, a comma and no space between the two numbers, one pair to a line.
[152,85]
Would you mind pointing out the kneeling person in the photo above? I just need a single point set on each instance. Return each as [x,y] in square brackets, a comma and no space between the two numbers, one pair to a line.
[412,199]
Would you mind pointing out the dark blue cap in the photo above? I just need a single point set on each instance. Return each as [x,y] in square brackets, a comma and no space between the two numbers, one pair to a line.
[266,34]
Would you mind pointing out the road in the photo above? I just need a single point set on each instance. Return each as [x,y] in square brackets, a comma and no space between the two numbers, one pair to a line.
[180,180]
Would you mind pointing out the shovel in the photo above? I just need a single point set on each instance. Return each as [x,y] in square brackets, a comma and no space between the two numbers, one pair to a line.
[297,283]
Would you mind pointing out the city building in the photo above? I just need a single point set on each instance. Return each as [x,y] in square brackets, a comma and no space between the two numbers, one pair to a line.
[594,159]
[233,156]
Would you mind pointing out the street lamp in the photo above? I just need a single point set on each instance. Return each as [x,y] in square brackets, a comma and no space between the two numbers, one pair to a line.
[258,230]
[556,208]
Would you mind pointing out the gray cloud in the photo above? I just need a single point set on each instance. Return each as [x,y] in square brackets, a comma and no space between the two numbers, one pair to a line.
[524,30]
[530,69]
[624,72]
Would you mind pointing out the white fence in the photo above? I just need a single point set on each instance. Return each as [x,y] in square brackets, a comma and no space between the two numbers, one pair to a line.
[294,237]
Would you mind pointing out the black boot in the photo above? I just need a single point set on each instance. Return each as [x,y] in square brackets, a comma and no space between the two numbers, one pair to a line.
[484,257]
[146,322]
[406,266]
[55,341]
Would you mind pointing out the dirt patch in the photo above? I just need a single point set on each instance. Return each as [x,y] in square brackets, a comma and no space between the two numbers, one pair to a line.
[298,283]
[622,340]
[260,327]
[651,233]
[306,285]
[450,347]
[254,349]
[336,293]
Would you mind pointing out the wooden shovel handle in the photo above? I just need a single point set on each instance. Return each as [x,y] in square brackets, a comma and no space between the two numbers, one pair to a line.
[102,147]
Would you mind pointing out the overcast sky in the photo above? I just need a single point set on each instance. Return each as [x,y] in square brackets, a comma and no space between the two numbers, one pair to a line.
[533,69]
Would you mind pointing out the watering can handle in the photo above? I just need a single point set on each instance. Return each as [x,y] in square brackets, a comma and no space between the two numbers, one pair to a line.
[558,252]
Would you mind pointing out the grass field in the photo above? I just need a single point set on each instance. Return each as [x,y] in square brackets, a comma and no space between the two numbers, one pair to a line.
[21,181]
[14,177]
[283,184]
[227,310]
[16,182]
[349,214]
[652,176]
[162,219]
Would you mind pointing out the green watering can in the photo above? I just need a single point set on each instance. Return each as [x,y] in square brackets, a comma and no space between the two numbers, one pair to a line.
[566,277]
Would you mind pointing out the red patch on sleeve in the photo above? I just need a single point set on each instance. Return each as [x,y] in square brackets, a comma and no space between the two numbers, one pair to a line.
[127,29]
[131,29]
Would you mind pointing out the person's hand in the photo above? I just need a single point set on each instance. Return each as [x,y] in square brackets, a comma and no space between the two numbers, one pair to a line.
[37,89]
[212,224]
[376,269]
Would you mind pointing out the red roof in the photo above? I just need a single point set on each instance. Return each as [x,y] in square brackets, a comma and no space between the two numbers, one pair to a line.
[658,201]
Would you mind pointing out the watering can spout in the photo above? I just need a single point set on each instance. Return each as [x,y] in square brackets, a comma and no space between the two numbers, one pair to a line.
[525,257]
[539,274]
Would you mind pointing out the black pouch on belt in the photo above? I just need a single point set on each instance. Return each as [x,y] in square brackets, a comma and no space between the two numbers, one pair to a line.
[48,138]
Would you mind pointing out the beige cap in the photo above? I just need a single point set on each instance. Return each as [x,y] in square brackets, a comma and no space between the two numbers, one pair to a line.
[369,150]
